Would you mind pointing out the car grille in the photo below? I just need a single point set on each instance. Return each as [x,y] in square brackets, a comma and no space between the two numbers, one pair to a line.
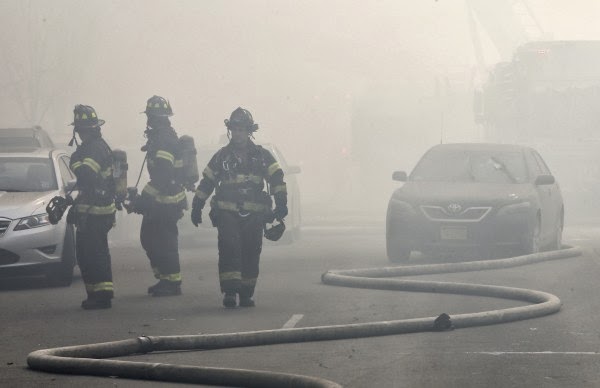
[7,257]
[4,223]
[469,214]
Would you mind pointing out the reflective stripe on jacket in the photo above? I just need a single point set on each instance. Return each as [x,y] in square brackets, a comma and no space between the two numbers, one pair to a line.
[239,185]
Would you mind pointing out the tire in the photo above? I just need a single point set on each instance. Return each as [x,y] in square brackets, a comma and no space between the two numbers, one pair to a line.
[557,241]
[396,252]
[533,241]
[61,274]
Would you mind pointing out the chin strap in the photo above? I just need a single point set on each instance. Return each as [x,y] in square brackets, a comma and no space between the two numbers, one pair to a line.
[73,140]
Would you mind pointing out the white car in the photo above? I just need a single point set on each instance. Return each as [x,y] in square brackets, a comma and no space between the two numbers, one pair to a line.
[29,244]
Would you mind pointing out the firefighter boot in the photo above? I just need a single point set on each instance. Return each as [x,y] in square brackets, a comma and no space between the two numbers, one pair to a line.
[246,302]
[245,299]
[229,301]
[96,301]
[165,288]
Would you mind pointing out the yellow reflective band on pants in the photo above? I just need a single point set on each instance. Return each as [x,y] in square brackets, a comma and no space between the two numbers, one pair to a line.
[247,206]
[249,282]
[156,272]
[174,277]
[97,287]
[235,275]
[96,210]
[164,199]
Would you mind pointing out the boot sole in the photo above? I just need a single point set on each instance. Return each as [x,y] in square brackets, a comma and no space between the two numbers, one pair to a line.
[229,303]
[162,293]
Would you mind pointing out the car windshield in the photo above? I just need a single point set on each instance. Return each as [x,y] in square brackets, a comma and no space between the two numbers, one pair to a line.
[480,166]
[26,174]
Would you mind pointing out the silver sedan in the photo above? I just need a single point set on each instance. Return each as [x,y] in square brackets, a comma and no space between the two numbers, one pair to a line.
[29,244]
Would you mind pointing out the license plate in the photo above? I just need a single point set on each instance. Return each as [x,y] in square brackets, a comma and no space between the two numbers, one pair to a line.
[453,233]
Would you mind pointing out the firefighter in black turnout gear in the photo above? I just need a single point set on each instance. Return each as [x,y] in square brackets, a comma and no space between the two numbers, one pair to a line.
[163,200]
[240,206]
[93,211]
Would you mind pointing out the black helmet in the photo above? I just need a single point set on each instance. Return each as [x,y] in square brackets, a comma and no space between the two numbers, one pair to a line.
[275,232]
[86,117]
[158,106]
[241,118]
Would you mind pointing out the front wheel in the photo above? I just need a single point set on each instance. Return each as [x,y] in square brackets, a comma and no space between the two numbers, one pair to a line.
[61,274]
[533,241]
[396,252]
[557,241]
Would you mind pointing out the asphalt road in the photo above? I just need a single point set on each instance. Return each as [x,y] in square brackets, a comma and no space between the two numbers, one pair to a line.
[555,351]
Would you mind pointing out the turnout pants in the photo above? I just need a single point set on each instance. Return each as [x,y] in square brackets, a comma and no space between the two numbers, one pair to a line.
[159,237]
[240,245]
[93,256]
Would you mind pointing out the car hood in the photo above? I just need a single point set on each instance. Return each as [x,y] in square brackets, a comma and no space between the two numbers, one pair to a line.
[474,193]
[15,205]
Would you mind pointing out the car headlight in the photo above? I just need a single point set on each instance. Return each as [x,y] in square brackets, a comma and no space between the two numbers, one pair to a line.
[515,208]
[401,207]
[33,222]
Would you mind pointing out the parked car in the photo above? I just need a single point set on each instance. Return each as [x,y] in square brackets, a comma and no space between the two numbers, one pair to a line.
[29,244]
[475,198]
[24,138]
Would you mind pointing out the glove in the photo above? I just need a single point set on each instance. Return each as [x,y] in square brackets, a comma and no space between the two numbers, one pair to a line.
[196,216]
[136,205]
[197,205]
[280,212]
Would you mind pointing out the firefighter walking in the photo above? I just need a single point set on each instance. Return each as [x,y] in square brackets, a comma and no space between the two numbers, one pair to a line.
[162,200]
[240,206]
[93,211]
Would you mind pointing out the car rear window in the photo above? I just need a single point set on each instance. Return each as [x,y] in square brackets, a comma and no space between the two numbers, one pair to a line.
[481,166]
[19,142]
[26,175]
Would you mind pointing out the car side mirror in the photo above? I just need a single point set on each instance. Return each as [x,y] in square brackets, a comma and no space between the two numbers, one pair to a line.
[399,176]
[70,185]
[293,170]
[544,180]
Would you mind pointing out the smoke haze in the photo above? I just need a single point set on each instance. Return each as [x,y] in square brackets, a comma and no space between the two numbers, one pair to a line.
[320,78]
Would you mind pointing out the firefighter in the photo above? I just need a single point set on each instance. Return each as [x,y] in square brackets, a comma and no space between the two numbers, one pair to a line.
[163,199]
[93,211]
[240,206]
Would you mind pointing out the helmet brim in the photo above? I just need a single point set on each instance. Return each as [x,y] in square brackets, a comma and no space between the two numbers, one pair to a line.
[157,115]
[99,124]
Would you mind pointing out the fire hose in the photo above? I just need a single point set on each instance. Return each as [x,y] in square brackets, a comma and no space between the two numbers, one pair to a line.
[92,359]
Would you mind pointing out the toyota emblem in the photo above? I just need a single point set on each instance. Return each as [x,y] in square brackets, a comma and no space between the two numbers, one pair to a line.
[454,208]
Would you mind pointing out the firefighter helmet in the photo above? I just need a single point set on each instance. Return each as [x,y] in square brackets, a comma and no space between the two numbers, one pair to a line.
[158,106]
[275,232]
[241,119]
[86,117]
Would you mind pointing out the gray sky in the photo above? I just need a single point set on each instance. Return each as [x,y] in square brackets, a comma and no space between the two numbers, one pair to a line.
[301,68]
